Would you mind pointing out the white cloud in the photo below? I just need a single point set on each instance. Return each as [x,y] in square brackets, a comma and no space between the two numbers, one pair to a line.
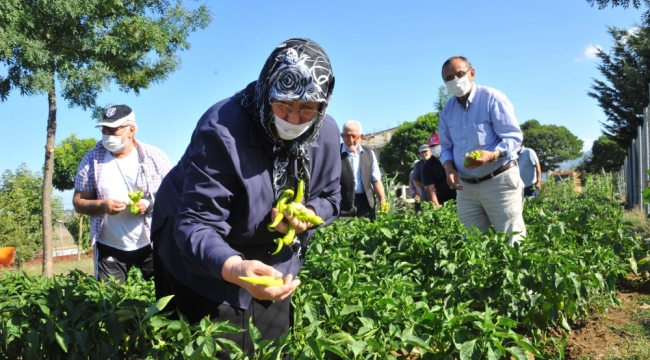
[587,144]
[591,51]
[632,32]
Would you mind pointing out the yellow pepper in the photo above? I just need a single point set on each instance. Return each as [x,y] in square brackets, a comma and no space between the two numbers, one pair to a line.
[263,280]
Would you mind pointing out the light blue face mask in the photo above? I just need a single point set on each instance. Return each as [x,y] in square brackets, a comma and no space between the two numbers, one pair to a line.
[436,151]
[287,131]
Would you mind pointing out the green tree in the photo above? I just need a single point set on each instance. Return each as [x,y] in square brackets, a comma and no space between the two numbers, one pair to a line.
[624,4]
[606,154]
[21,210]
[83,46]
[624,93]
[443,98]
[402,149]
[553,144]
[67,157]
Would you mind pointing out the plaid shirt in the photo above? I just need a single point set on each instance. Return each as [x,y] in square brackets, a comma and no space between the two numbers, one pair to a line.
[156,164]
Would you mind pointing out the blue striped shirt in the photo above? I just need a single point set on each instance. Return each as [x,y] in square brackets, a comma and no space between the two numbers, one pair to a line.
[488,123]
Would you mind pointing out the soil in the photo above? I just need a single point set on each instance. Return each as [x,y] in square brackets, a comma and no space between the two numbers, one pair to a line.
[605,334]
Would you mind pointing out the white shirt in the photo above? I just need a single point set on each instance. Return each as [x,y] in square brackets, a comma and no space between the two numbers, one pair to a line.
[123,231]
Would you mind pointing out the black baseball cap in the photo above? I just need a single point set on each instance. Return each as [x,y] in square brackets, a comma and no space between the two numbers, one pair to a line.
[117,115]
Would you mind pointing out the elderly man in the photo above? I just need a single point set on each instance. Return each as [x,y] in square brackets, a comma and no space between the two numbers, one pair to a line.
[480,136]
[360,175]
[418,179]
[118,166]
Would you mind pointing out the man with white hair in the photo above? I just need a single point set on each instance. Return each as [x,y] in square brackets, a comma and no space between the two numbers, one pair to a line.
[109,178]
[360,175]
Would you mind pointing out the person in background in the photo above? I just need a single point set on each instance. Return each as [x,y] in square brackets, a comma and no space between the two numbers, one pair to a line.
[530,171]
[360,175]
[480,135]
[416,191]
[211,221]
[118,165]
[434,176]
[425,154]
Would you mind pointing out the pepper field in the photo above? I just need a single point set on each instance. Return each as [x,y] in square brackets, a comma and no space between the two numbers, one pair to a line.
[403,287]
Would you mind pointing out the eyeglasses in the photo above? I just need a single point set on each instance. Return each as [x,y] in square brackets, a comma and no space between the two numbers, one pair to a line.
[305,114]
[458,75]
[350,136]
[110,130]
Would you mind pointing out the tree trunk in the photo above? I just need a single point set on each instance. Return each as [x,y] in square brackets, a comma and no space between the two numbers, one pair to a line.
[81,221]
[48,172]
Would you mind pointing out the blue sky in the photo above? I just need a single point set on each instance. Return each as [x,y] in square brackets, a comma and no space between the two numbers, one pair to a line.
[386,57]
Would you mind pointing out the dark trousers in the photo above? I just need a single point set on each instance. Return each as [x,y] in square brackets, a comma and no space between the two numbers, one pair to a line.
[115,262]
[363,207]
[272,319]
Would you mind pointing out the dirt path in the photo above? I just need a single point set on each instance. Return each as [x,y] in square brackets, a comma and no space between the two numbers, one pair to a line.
[613,334]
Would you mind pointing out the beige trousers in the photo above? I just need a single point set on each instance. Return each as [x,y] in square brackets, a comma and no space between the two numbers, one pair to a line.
[497,202]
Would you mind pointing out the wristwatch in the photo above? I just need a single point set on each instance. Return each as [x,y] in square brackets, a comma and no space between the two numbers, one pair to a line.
[496,153]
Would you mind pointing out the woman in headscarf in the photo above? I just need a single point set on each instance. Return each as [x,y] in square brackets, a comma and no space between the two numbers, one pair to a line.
[212,210]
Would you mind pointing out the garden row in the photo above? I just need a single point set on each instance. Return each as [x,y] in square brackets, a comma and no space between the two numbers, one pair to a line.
[405,285]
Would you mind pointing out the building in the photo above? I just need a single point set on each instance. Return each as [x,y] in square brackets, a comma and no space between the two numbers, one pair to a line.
[377,141]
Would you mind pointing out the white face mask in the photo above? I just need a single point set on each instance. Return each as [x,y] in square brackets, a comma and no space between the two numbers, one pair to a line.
[459,87]
[113,143]
[436,151]
[287,131]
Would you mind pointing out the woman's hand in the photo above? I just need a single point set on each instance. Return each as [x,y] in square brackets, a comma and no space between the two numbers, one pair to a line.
[298,224]
[235,267]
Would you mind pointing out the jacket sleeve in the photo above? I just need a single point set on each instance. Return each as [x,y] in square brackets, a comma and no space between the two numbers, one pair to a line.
[326,173]
[209,187]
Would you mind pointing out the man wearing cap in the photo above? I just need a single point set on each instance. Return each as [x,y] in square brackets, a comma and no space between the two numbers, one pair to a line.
[360,175]
[434,177]
[480,135]
[425,154]
[117,166]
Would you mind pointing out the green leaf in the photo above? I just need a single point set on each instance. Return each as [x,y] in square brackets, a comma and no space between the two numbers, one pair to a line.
[517,353]
[386,232]
[416,341]
[62,340]
[469,351]
[336,350]
[341,338]
[315,348]
[357,347]
[157,307]
[349,309]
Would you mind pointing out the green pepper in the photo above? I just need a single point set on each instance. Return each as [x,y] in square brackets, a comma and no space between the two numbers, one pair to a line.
[301,191]
[135,198]
[290,235]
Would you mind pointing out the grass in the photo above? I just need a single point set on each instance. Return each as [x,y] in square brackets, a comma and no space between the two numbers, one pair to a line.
[61,267]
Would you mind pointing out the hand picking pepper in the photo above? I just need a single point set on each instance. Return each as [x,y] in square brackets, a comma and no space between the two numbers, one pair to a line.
[301,214]
[474,155]
[135,198]
[263,280]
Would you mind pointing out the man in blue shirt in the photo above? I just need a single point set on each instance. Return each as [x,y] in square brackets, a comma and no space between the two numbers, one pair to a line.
[360,175]
[530,171]
[480,136]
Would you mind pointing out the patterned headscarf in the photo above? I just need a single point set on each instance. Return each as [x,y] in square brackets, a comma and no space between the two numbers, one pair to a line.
[297,70]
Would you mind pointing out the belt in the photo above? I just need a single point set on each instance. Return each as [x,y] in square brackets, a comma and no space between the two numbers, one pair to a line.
[496,172]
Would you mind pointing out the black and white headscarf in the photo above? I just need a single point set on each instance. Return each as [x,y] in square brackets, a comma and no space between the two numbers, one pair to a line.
[297,70]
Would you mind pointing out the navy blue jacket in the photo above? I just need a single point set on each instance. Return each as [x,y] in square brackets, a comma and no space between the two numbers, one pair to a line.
[220,196]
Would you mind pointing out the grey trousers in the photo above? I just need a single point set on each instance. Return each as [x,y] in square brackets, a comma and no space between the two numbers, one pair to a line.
[497,202]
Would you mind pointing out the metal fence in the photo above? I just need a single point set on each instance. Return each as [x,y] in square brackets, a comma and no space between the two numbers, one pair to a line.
[634,177]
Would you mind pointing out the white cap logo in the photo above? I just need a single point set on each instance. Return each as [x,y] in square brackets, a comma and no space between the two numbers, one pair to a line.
[110,112]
